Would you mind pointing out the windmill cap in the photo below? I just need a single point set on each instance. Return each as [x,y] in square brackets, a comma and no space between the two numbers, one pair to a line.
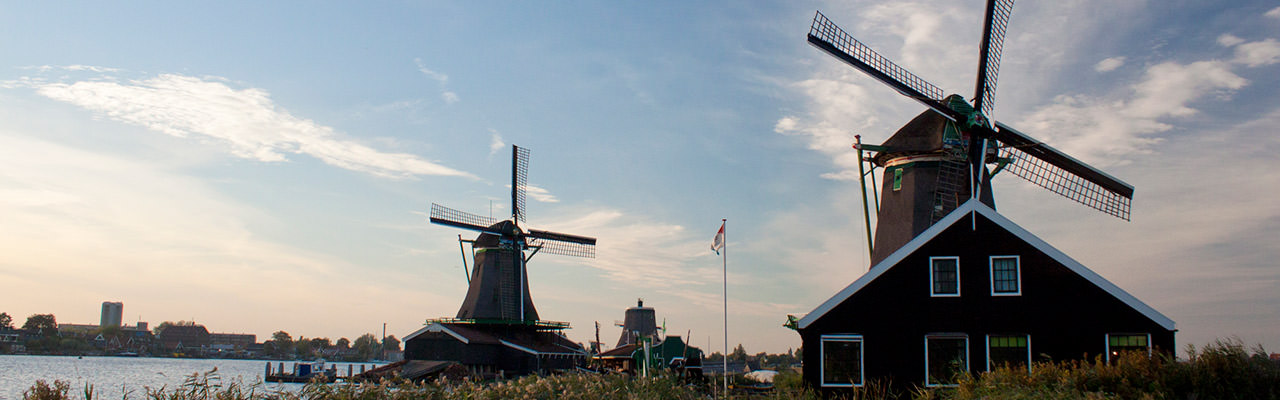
[923,134]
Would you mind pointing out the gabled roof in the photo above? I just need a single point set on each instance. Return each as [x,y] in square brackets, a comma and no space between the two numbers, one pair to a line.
[976,207]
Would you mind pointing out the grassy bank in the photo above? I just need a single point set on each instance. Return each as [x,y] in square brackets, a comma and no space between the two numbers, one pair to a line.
[1222,370]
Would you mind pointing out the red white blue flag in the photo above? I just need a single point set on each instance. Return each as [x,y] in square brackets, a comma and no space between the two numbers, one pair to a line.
[718,243]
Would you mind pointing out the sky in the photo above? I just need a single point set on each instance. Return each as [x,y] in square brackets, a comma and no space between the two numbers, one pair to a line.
[258,167]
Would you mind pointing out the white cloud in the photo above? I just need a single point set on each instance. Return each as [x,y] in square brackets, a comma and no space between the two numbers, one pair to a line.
[1229,40]
[540,194]
[1274,13]
[1109,64]
[495,142]
[1105,131]
[138,231]
[1256,54]
[448,96]
[436,76]
[246,120]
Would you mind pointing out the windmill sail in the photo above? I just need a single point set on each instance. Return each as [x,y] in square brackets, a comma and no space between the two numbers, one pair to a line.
[563,244]
[1027,158]
[828,37]
[519,180]
[448,216]
[997,19]
[1059,173]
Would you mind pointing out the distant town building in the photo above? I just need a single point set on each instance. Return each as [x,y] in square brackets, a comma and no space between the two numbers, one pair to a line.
[183,336]
[77,329]
[111,313]
[238,341]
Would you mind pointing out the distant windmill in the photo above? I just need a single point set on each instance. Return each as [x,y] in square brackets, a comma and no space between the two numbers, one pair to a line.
[939,159]
[498,290]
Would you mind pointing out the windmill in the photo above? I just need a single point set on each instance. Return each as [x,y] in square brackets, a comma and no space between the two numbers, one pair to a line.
[940,158]
[498,289]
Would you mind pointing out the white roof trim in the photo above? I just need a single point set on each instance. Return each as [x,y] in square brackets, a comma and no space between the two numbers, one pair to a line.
[974,206]
[532,351]
[437,327]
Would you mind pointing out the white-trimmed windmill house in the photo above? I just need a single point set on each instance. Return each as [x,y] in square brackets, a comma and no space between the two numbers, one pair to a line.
[955,286]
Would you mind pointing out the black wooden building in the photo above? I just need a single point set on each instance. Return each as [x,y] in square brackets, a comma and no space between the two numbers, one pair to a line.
[971,292]
[493,350]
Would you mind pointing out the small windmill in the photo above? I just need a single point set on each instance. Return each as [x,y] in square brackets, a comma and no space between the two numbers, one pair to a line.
[940,158]
[498,290]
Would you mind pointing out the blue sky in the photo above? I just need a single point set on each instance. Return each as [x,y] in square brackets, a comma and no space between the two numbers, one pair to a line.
[258,167]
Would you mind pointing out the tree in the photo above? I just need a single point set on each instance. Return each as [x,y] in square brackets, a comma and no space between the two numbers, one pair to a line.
[390,343]
[739,354]
[41,322]
[344,343]
[6,322]
[281,343]
[366,346]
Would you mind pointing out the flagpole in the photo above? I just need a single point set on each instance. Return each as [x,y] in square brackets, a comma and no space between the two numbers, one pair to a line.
[725,271]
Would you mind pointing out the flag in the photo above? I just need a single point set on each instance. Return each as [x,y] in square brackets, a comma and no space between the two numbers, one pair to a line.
[718,243]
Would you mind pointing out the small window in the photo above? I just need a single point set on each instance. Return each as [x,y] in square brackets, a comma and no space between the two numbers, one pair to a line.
[1008,350]
[1117,343]
[946,358]
[841,360]
[944,276]
[897,179]
[1006,279]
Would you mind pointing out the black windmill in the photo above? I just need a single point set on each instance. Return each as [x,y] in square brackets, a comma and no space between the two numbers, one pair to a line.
[497,331]
[498,291]
[947,154]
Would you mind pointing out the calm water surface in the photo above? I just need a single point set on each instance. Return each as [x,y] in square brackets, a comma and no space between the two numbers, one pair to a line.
[113,377]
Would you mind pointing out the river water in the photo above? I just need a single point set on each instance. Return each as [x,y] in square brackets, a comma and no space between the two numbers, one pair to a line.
[114,377]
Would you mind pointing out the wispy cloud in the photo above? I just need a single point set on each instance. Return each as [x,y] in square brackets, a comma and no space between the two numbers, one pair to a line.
[1106,130]
[1109,64]
[540,194]
[1256,54]
[247,121]
[1274,13]
[445,94]
[842,102]
[123,227]
[495,142]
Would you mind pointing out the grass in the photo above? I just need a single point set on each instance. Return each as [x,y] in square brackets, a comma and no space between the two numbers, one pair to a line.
[1221,370]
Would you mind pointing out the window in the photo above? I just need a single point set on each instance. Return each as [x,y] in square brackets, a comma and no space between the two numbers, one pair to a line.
[897,179]
[841,360]
[946,357]
[944,276]
[1117,343]
[1005,277]
[1010,350]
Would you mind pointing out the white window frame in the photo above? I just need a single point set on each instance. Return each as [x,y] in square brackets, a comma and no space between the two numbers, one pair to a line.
[822,354]
[1107,342]
[926,356]
[932,293]
[1028,351]
[991,268]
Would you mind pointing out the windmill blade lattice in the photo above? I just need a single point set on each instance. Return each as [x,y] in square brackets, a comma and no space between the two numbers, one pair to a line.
[563,248]
[563,244]
[828,37]
[996,21]
[448,216]
[1051,169]
[519,181]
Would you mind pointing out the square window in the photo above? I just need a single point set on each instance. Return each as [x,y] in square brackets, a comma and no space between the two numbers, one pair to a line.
[944,276]
[1008,350]
[1117,343]
[841,360]
[1006,279]
[946,358]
